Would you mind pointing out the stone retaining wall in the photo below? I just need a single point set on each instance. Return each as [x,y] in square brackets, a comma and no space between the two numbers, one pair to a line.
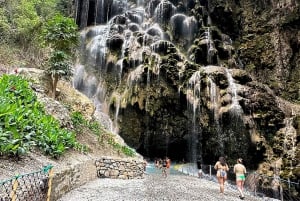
[69,178]
[119,168]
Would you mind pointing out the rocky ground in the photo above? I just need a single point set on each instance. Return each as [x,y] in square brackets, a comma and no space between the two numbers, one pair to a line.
[154,187]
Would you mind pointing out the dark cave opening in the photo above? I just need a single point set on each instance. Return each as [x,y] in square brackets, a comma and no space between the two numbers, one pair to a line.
[176,150]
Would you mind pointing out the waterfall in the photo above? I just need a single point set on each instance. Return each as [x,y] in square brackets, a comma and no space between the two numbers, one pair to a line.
[211,51]
[123,55]
[194,89]
[147,88]
[214,100]
[88,74]
[93,88]
[183,27]
[164,11]
[117,103]
[235,106]
[212,88]
[96,46]
[101,13]
[194,99]
[140,3]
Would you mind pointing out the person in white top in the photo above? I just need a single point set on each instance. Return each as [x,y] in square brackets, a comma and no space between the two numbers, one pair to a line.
[240,170]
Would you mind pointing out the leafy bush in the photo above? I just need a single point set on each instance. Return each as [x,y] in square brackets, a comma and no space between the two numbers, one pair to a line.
[4,25]
[20,20]
[59,34]
[24,123]
[78,119]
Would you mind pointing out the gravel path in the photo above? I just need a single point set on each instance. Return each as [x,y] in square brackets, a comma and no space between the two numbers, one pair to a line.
[154,187]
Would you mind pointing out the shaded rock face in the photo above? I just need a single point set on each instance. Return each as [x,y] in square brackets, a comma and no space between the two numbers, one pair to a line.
[267,45]
[196,79]
[268,36]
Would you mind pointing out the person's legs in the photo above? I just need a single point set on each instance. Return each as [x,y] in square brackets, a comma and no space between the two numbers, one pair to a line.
[221,183]
[238,183]
[200,173]
[164,171]
[240,187]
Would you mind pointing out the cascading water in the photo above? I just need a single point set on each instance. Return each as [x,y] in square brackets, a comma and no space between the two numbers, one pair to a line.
[235,106]
[101,12]
[125,53]
[194,100]
[211,51]
[212,89]
[214,101]
[96,46]
[146,65]
[184,27]
[140,3]
[164,11]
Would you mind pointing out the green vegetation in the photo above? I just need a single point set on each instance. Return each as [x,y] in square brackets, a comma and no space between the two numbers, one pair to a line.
[80,123]
[21,20]
[124,149]
[61,35]
[24,123]
[38,33]
[34,33]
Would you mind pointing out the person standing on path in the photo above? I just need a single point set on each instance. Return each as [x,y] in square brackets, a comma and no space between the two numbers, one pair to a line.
[145,164]
[164,168]
[199,166]
[168,160]
[240,170]
[222,168]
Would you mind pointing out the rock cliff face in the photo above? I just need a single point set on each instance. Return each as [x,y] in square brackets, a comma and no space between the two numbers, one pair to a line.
[196,79]
[267,37]
[266,34]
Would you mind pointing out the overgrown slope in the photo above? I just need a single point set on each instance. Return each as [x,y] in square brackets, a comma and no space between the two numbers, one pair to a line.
[37,130]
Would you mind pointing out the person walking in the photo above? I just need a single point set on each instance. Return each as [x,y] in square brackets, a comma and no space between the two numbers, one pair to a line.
[145,164]
[240,170]
[199,166]
[164,168]
[168,160]
[222,168]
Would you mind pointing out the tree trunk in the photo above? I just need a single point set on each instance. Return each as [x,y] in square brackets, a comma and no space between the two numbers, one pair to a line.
[54,85]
